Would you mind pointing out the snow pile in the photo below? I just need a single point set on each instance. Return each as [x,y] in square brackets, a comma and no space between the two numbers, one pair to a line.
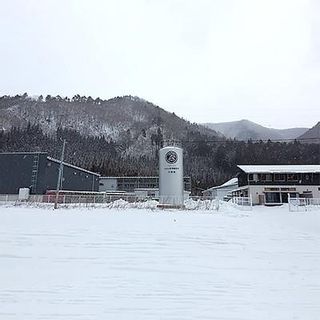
[117,204]
[122,204]
[191,204]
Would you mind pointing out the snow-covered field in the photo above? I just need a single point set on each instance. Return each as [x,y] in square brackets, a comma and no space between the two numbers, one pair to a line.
[149,264]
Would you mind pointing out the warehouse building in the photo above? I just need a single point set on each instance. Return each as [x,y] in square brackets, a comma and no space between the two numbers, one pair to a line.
[132,184]
[39,173]
[273,184]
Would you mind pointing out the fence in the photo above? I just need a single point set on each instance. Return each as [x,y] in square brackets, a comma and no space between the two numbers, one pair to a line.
[107,200]
[8,197]
[202,203]
[303,204]
[70,199]
[242,203]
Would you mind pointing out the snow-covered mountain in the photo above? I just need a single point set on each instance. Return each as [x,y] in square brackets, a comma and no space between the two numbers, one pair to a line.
[312,135]
[245,130]
[130,120]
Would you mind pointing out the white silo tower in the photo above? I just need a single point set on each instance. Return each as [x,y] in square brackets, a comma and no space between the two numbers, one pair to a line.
[171,185]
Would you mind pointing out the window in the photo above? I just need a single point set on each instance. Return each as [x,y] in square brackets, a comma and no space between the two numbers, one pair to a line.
[279,177]
[272,197]
[265,177]
[253,177]
[294,195]
[288,189]
[293,177]
[307,177]
[306,194]
[268,177]
[271,189]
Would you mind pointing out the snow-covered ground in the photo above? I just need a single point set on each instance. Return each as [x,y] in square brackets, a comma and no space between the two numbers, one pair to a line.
[150,264]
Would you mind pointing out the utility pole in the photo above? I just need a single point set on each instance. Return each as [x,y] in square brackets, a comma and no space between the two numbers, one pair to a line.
[60,174]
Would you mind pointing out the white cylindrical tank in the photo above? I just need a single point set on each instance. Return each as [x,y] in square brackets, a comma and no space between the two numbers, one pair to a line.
[171,176]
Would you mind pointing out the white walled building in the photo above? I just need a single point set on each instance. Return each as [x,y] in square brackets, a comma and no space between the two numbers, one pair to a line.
[130,184]
[143,187]
[273,184]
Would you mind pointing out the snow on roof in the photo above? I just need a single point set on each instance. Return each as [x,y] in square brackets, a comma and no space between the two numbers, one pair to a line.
[72,166]
[231,182]
[280,168]
[241,188]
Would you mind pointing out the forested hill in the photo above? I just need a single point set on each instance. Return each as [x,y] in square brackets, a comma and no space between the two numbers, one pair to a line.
[131,121]
[111,143]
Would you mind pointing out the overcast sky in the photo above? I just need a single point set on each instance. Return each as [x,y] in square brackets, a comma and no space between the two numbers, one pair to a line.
[205,60]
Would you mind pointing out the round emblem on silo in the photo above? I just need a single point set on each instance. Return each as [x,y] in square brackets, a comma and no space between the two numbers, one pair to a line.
[171,157]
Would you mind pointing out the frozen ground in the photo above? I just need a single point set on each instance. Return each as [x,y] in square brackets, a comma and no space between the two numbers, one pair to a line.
[137,264]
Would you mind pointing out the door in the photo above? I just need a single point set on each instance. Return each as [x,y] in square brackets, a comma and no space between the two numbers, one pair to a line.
[284,197]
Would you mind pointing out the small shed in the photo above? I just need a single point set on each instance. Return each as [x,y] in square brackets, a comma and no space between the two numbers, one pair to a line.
[222,191]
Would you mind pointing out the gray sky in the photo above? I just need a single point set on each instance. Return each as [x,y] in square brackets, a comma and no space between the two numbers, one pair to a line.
[205,60]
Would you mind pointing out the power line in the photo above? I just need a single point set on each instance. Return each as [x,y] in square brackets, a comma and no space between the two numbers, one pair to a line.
[235,141]
[249,140]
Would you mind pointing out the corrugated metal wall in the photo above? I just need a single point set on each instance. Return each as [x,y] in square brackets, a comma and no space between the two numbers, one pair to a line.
[22,170]
[73,179]
[35,171]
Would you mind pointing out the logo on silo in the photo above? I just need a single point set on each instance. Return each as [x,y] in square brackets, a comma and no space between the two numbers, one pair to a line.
[171,157]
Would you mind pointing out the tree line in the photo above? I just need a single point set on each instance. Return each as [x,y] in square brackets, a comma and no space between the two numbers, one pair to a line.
[206,161]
